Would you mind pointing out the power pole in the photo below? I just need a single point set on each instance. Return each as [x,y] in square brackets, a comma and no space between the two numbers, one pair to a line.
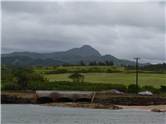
[136,76]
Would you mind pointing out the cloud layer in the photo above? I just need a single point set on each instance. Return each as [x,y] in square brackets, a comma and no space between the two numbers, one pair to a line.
[124,30]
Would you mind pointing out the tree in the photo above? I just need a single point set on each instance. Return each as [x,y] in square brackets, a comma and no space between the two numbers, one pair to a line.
[93,63]
[19,78]
[25,76]
[77,77]
[82,63]
[6,74]
[101,63]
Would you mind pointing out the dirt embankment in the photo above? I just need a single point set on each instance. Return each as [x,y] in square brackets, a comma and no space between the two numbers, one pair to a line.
[101,101]
[29,97]
[18,97]
[129,99]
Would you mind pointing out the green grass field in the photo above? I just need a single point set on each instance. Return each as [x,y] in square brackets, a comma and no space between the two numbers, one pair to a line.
[99,74]
[116,78]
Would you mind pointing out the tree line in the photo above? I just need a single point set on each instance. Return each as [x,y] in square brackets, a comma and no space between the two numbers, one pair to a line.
[14,78]
[161,68]
[92,63]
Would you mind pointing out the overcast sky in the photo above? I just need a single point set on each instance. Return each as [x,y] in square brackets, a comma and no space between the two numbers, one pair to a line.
[124,30]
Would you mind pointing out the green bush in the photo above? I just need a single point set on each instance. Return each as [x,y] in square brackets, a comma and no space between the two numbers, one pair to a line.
[132,88]
[63,85]
[163,88]
[109,71]
[57,71]
[95,69]
[9,86]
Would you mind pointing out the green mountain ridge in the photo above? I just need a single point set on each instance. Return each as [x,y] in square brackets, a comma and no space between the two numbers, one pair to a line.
[85,53]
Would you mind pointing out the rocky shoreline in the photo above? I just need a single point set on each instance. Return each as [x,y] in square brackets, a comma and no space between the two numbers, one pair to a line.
[85,105]
[153,108]
[17,97]
[102,101]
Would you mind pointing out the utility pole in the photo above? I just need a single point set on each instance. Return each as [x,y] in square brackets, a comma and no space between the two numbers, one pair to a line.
[136,76]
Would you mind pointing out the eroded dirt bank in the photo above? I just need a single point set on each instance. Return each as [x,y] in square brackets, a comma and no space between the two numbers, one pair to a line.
[101,100]
[18,97]
[85,105]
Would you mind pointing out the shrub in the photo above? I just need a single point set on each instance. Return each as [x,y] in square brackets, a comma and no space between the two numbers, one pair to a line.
[162,88]
[36,85]
[119,87]
[64,85]
[9,86]
[109,71]
[57,71]
[132,88]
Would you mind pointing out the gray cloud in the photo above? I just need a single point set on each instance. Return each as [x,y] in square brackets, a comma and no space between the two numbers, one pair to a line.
[124,30]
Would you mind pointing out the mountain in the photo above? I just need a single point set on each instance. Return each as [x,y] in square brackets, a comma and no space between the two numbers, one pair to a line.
[85,53]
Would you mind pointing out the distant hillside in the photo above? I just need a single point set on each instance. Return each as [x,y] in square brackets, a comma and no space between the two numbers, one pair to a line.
[85,54]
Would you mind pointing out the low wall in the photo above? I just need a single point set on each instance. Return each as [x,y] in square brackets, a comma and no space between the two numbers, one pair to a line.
[64,96]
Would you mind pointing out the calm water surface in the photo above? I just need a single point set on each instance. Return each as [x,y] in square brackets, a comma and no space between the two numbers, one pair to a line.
[36,114]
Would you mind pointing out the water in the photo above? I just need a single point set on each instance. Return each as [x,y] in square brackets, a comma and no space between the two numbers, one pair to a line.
[36,114]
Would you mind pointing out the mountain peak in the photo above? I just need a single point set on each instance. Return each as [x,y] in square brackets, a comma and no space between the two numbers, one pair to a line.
[89,50]
[87,46]
[84,51]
